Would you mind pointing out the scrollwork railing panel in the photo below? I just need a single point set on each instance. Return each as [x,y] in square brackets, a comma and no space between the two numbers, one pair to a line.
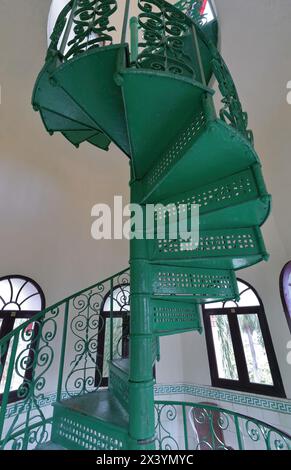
[164,30]
[55,352]
[192,8]
[82,25]
[91,25]
[190,426]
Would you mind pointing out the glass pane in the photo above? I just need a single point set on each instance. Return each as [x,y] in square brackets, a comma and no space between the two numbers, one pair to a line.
[19,294]
[247,298]
[117,338]
[120,300]
[21,355]
[224,353]
[254,349]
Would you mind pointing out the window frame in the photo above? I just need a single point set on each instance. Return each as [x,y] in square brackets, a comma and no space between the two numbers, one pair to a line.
[243,383]
[105,315]
[7,325]
[286,308]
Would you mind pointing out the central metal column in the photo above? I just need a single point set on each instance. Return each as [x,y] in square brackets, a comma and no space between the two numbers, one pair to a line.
[141,382]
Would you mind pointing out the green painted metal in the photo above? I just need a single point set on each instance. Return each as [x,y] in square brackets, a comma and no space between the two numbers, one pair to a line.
[174,317]
[62,360]
[63,351]
[154,102]
[96,421]
[118,381]
[209,427]
[226,249]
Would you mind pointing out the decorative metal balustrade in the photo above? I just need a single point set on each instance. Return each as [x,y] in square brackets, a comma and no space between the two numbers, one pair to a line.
[82,25]
[164,38]
[198,426]
[193,9]
[57,352]
[165,44]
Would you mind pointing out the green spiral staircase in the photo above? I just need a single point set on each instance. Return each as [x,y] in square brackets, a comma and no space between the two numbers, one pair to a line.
[154,100]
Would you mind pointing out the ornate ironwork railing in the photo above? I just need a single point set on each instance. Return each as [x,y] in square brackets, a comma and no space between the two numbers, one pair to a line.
[82,25]
[231,112]
[168,40]
[198,426]
[164,38]
[192,8]
[55,352]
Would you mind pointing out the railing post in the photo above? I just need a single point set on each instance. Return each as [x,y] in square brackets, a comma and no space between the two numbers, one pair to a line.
[68,28]
[5,396]
[63,351]
[238,433]
[198,55]
[185,427]
[133,39]
[111,319]
[125,21]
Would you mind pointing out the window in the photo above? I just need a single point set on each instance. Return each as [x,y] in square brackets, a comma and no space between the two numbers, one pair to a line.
[20,299]
[285,291]
[120,331]
[240,350]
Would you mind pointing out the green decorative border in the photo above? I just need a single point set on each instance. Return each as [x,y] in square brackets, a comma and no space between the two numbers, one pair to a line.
[244,399]
[197,391]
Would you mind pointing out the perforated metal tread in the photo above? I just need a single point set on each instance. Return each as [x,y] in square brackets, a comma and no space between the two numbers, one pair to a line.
[220,249]
[96,421]
[174,317]
[157,111]
[204,153]
[238,200]
[187,284]
[101,405]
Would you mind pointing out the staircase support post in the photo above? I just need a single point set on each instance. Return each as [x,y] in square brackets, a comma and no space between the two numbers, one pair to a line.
[141,382]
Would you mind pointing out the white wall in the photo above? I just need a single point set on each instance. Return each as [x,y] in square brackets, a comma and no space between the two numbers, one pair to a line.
[47,187]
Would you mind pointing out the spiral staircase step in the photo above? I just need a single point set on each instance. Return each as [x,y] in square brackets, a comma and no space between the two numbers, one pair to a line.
[59,111]
[94,137]
[95,421]
[221,249]
[95,89]
[199,285]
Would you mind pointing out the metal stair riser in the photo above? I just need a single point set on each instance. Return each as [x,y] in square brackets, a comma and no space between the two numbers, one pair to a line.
[76,431]
[201,285]
[232,190]
[174,317]
[164,317]
[118,384]
[216,153]
[230,248]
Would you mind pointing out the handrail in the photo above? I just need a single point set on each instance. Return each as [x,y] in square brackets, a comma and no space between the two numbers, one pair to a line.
[163,27]
[231,112]
[213,428]
[56,305]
